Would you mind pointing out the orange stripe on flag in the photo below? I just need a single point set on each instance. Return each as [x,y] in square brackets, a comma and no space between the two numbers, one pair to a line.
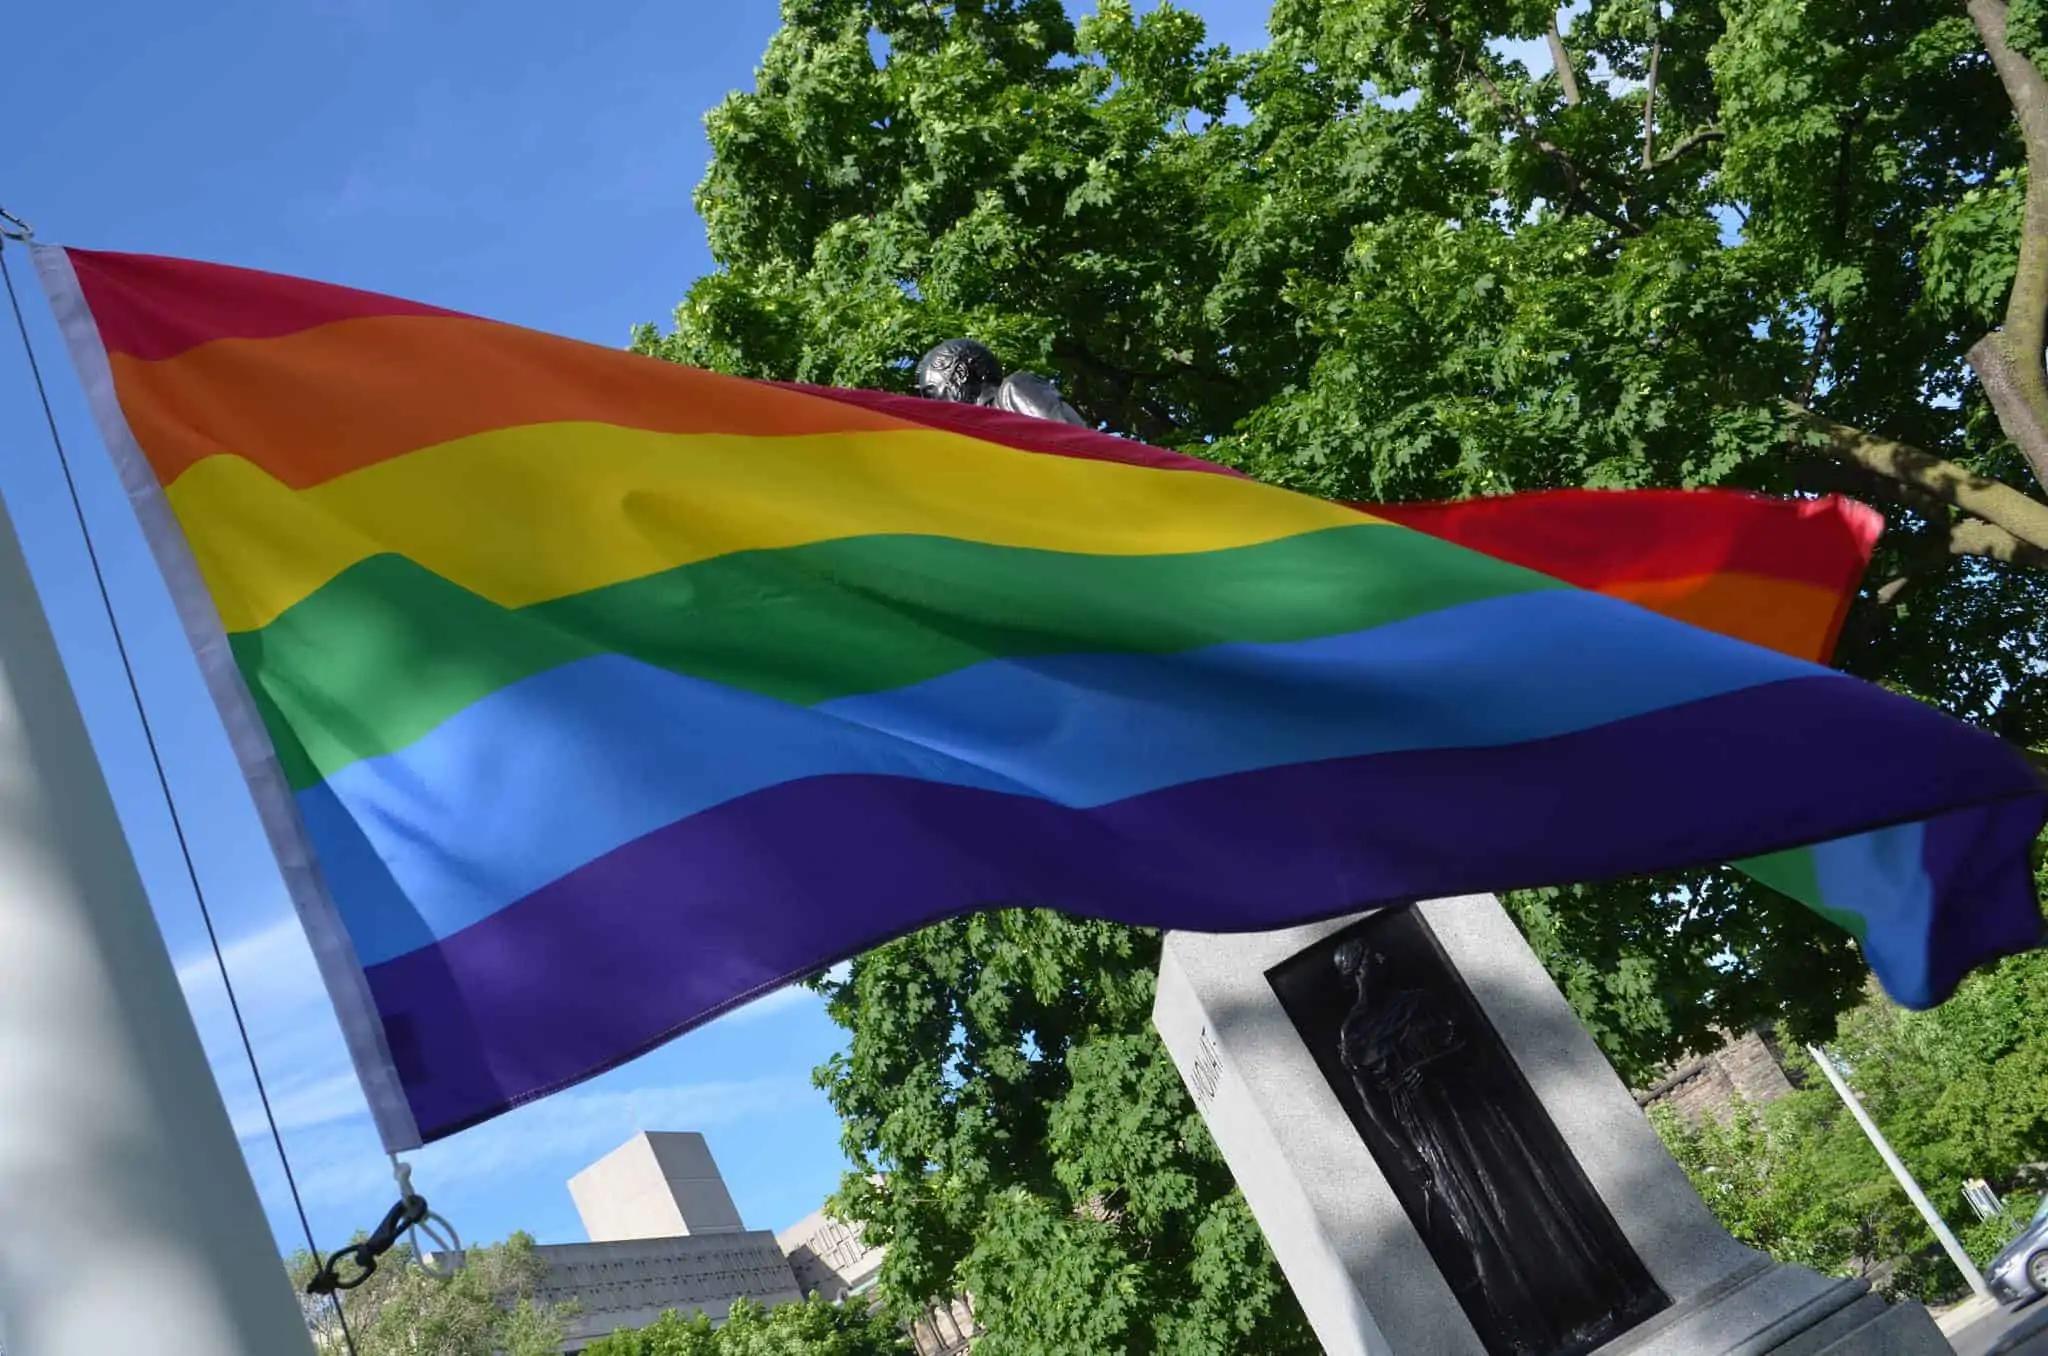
[311,406]
[1780,614]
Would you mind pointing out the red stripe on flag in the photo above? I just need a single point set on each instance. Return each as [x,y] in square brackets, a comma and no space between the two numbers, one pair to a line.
[1775,572]
[150,306]
[1593,538]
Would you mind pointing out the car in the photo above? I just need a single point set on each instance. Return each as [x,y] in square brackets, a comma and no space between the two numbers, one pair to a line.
[2019,1275]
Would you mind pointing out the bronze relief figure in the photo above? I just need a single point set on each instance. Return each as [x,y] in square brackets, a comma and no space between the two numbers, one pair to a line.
[1514,1226]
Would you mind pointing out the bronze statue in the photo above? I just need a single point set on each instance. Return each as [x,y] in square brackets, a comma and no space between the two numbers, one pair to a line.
[1536,1264]
[963,371]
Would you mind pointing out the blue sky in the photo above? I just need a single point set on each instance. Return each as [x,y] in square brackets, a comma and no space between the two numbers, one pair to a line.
[530,162]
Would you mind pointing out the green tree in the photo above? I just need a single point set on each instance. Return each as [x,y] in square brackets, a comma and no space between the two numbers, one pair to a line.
[488,1308]
[1023,1136]
[800,1328]
[1960,1092]
[1767,243]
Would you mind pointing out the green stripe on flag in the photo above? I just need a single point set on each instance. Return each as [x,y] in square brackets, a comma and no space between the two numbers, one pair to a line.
[387,650]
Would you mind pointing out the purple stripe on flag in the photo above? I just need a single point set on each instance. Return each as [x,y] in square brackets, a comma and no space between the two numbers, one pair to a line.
[1977,860]
[672,929]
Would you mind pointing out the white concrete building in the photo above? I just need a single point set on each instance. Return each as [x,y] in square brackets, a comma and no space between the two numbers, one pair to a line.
[662,1184]
[664,1234]
[829,1257]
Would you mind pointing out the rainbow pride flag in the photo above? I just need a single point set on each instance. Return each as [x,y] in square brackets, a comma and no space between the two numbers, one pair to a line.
[587,696]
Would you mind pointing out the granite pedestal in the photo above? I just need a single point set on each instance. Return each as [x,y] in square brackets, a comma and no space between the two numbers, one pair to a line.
[1355,1239]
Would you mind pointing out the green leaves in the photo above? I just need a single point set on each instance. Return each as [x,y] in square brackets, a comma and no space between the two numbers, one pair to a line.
[2026,28]
[1019,1133]
[1972,249]
[810,1327]
[1657,966]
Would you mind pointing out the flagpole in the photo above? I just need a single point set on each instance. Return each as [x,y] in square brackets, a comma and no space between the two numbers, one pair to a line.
[1883,1146]
[128,1220]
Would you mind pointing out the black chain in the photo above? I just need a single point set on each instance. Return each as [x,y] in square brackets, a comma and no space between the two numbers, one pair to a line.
[409,1211]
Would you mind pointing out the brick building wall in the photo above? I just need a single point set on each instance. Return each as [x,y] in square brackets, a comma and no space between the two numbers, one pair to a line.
[1748,1066]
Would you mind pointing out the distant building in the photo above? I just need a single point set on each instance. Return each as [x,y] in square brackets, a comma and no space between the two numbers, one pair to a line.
[662,1184]
[945,1329]
[629,1283]
[664,1234]
[1748,1066]
[828,1257]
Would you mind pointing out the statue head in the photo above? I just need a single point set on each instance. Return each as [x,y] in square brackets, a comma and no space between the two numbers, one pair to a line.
[958,370]
[1356,960]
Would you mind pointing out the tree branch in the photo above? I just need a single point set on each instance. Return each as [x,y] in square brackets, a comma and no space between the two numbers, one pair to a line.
[1650,92]
[1927,557]
[1922,557]
[2018,391]
[1562,61]
[2009,362]
[1689,142]
[1952,537]
[1574,178]
[1819,358]
[1996,503]
[1975,537]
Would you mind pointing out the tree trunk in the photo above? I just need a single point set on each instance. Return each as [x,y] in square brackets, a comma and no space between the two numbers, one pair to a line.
[1650,104]
[2020,403]
[2010,362]
[1562,60]
[1996,503]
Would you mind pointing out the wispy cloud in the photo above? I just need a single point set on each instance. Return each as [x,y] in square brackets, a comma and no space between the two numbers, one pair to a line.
[298,1042]
[785,998]
[319,1105]
[267,966]
[565,1130]
[301,1105]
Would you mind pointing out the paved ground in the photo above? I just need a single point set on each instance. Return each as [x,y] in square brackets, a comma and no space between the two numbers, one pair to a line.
[1976,1338]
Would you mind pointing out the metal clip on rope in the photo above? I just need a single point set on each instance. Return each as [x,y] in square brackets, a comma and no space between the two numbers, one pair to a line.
[402,1216]
[410,1215]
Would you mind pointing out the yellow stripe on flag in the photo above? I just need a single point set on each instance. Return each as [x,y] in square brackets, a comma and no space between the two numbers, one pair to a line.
[527,514]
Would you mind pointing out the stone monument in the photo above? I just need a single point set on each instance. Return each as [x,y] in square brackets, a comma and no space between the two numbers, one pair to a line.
[1445,1164]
